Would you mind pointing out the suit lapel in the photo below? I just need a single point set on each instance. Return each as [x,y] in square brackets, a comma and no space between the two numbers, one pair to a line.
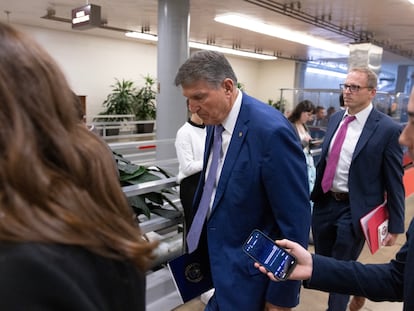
[236,143]
[208,145]
[367,131]
[330,131]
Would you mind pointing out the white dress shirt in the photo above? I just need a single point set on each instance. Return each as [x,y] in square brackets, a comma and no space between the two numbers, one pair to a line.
[229,123]
[340,182]
[189,146]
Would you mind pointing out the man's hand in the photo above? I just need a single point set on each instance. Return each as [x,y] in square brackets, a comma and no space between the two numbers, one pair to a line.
[304,265]
[270,307]
[390,239]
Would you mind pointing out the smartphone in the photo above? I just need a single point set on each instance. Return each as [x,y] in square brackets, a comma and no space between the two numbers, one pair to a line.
[274,258]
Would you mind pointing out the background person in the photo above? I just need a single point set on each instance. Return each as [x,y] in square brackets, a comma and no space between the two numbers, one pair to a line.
[261,161]
[189,146]
[319,118]
[299,116]
[68,240]
[368,170]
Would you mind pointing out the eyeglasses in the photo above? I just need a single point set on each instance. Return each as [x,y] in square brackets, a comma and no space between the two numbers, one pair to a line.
[353,88]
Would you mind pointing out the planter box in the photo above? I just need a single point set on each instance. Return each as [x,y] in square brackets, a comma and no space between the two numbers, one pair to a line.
[145,128]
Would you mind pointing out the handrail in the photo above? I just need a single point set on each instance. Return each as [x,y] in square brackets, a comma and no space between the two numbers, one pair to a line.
[105,116]
[138,144]
[149,186]
[126,122]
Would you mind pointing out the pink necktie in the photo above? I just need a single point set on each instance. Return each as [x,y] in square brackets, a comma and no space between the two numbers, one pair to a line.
[333,158]
[196,227]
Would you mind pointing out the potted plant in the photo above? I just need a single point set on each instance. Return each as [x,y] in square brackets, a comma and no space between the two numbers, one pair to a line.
[279,105]
[120,101]
[151,202]
[144,106]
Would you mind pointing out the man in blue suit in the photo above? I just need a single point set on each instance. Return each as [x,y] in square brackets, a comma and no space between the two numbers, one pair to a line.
[261,184]
[368,171]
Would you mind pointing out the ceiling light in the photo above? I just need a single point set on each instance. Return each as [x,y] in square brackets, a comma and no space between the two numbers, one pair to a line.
[141,35]
[248,23]
[201,46]
[411,1]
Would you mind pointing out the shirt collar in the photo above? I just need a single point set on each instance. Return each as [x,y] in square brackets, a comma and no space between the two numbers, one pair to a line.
[361,116]
[230,122]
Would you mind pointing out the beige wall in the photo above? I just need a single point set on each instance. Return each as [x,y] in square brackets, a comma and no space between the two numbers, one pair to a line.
[92,63]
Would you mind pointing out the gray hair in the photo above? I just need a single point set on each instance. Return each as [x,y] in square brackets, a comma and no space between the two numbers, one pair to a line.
[209,66]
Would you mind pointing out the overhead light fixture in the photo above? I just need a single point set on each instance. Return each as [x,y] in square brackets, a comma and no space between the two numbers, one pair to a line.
[248,23]
[86,17]
[411,1]
[201,46]
[141,35]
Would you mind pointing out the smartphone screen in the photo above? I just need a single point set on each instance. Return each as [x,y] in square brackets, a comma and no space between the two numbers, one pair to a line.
[274,258]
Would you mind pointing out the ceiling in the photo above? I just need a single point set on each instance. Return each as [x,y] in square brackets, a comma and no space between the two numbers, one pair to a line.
[387,23]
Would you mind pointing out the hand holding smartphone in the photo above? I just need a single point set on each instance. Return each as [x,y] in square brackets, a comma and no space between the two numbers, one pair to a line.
[274,258]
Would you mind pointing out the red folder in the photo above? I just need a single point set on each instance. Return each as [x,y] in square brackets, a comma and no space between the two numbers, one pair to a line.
[375,226]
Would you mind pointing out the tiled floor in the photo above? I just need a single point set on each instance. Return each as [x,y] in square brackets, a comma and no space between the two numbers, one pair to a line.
[312,300]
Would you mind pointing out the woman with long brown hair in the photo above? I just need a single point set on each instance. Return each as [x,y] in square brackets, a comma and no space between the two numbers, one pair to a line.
[299,116]
[68,240]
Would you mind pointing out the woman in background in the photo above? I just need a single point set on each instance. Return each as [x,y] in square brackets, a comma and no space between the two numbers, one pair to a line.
[68,240]
[300,115]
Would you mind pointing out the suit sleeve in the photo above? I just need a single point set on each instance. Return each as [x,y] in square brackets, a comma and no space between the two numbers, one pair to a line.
[377,282]
[393,183]
[286,182]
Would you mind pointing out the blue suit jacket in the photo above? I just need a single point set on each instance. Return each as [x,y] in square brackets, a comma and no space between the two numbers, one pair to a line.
[393,281]
[263,184]
[376,169]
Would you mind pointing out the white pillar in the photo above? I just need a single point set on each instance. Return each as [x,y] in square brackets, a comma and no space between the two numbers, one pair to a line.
[173,50]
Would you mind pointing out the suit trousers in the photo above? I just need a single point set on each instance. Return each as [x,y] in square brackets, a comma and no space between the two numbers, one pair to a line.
[334,236]
[188,187]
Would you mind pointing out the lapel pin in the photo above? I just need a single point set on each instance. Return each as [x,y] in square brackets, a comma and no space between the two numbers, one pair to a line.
[240,134]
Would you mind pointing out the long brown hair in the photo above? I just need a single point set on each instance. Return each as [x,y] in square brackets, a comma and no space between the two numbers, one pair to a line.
[58,181]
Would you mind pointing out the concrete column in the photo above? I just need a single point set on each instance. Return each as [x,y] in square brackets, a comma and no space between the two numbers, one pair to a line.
[173,50]
[365,55]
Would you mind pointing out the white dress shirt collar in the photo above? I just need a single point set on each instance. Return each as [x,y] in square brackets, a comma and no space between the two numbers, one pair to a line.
[230,122]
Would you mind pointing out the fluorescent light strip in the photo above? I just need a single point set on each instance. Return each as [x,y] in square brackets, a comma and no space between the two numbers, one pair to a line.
[248,23]
[201,46]
[141,35]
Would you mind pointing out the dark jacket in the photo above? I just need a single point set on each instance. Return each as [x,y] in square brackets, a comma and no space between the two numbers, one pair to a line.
[376,169]
[35,276]
[393,281]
